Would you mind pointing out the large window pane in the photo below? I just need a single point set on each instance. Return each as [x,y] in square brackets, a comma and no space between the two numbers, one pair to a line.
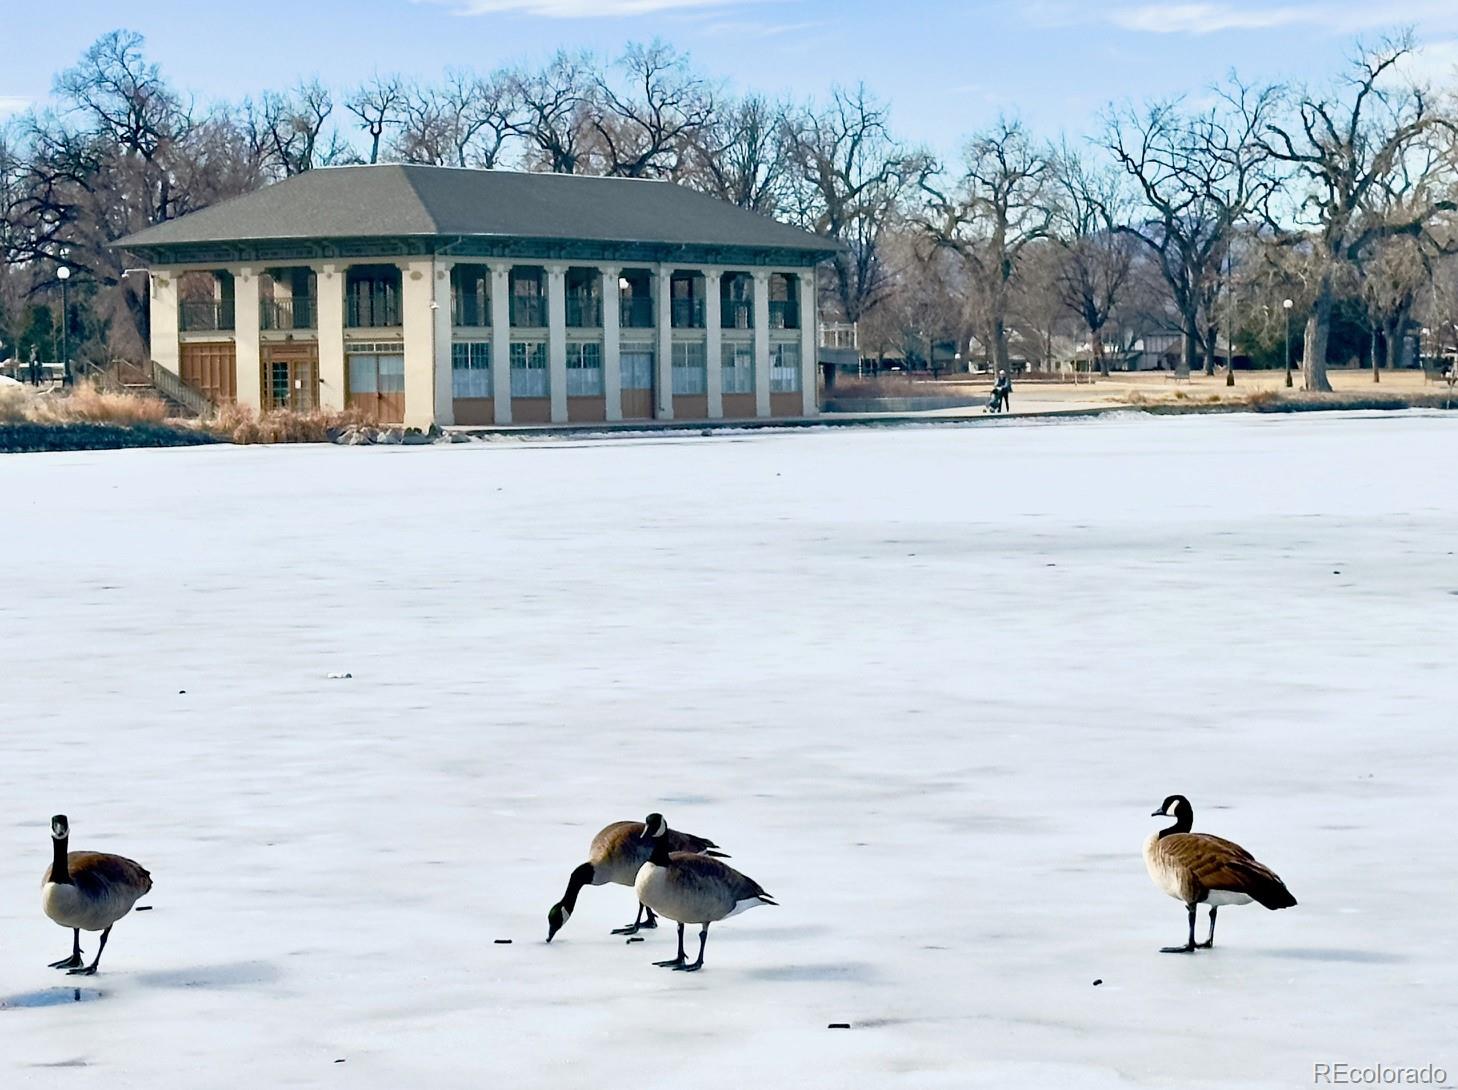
[690,376]
[738,368]
[529,369]
[584,369]
[362,374]
[471,369]
[784,368]
[637,367]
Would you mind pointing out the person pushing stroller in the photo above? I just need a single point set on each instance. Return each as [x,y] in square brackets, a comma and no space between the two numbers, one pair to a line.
[1001,399]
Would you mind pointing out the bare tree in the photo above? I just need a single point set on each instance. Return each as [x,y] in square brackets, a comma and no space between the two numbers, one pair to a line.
[1001,205]
[1096,257]
[646,129]
[850,177]
[743,154]
[553,109]
[288,128]
[379,105]
[1196,176]
[463,122]
[1354,149]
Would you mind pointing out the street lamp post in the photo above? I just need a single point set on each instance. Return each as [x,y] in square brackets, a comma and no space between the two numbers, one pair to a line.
[1423,334]
[63,274]
[1286,305]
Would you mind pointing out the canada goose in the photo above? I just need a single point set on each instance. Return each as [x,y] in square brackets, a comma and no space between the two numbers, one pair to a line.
[691,888]
[1197,868]
[88,891]
[614,857]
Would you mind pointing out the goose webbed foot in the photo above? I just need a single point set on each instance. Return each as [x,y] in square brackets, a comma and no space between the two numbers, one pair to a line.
[639,924]
[1188,948]
[695,966]
[89,970]
[677,961]
[68,963]
[691,967]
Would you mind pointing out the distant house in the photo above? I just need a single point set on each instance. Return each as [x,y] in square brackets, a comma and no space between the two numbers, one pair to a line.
[429,295]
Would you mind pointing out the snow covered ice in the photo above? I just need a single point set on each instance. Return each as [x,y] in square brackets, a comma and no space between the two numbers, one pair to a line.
[924,685]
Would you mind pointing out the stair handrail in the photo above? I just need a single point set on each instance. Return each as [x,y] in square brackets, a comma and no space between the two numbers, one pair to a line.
[172,385]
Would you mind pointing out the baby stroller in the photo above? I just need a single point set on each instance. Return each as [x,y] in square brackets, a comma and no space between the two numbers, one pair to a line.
[997,402]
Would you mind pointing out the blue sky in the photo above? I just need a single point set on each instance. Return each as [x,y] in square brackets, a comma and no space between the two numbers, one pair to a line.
[946,67]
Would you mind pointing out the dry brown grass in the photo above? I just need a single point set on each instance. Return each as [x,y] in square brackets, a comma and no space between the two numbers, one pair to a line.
[239,424]
[85,403]
[883,386]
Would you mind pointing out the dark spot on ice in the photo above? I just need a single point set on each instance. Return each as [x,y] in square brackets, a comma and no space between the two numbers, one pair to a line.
[181,692]
[145,908]
[838,1025]
[339,1061]
[1354,957]
[636,938]
[49,997]
[1097,982]
[503,942]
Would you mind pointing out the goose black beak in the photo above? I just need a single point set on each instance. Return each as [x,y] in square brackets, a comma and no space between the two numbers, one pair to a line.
[1157,813]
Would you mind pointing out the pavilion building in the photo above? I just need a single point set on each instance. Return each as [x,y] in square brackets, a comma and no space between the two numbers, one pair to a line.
[430,295]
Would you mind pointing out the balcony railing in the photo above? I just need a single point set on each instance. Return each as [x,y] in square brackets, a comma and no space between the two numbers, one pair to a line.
[636,312]
[784,314]
[688,313]
[471,310]
[529,311]
[737,315]
[296,313]
[204,315]
[584,312]
[372,310]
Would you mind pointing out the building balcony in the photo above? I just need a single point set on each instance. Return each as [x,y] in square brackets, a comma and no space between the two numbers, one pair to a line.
[376,310]
[687,313]
[471,311]
[584,312]
[636,312]
[204,316]
[737,315]
[285,314]
[529,312]
[784,314]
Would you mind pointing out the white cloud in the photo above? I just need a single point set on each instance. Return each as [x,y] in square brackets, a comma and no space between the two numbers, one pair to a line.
[1337,16]
[12,104]
[580,9]
[1433,63]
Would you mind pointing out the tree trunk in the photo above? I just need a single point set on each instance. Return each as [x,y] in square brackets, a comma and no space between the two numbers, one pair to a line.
[999,344]
[1376,365]
[1318,327]
[1096,344]
[1188,350]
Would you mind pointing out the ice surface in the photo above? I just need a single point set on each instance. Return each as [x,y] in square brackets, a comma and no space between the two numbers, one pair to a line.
[925,685]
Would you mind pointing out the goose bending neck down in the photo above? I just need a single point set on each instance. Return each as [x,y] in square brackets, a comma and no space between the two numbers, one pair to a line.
[689,888]
[1198,868]
[614,856]
[88,891]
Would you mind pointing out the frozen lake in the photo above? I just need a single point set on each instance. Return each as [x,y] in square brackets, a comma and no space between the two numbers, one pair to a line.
[925,685]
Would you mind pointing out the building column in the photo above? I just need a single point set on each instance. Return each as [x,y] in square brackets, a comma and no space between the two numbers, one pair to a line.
[761,343]
[501,341]
[557,341]
[329,281]
[663,357]
[165,346]
[612,361]
[247,349]
[445,400]
[809,342]
[713,343]
[417,292]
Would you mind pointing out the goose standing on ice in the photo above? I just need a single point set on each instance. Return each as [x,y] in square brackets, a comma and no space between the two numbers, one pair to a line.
[1197,868]
[690,888]
[614,857]
[88,891]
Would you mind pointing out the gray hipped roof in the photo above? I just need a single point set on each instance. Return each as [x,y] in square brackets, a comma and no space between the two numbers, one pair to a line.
[391,200]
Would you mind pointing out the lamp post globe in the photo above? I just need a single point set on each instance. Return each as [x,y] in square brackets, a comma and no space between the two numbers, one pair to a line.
[1286,305]
[63,274]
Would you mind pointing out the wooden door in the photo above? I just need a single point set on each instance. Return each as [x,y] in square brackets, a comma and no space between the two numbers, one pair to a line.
[212,370]
[377,385]
[636,366]
[290,378]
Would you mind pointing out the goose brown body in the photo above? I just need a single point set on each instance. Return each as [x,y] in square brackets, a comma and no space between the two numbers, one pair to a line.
[88,891]
[697,889]
[613,858]
[1198,868]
